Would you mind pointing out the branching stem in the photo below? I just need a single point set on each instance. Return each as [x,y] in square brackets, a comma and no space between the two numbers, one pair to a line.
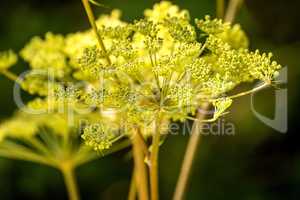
[143,143]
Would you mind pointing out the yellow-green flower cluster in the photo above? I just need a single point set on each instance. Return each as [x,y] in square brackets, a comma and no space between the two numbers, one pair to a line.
[220,106]
[47,54]
[7,59]
[158,65]
[98,136]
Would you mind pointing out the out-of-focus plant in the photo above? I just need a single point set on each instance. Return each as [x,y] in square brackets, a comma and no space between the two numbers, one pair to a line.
[49,139]
[127,82]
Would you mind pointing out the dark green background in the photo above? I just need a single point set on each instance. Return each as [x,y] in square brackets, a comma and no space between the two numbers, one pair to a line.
[257,163]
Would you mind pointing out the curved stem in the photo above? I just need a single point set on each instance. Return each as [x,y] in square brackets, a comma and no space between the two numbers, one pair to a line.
[189,155]
[258,88]
[70,181]
[141,176]
[154,162]
[11,76]
[263,86]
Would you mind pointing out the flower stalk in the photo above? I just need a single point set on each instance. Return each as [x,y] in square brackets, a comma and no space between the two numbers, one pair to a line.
[220,8]
[70,181]
[132,187]
[154,162]
[232,10]
[91,17]
[141,176]
[11,76]
[194,140]
[113,78]
[190,154]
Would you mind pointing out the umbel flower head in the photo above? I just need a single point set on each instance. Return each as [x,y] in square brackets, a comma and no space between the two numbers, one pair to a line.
[98,136]
[164,64]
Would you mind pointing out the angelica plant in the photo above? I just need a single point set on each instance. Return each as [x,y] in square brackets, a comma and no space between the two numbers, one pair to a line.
[130,80]
[42,131]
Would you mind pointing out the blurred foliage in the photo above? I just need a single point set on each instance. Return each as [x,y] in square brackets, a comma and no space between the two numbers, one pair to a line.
[257,163]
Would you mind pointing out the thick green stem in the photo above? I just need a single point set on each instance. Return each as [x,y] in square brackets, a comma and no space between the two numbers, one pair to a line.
[141,176]
[190,154]
[70,181]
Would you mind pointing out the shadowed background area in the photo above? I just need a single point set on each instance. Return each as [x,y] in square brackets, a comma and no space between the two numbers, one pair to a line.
[257,163]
